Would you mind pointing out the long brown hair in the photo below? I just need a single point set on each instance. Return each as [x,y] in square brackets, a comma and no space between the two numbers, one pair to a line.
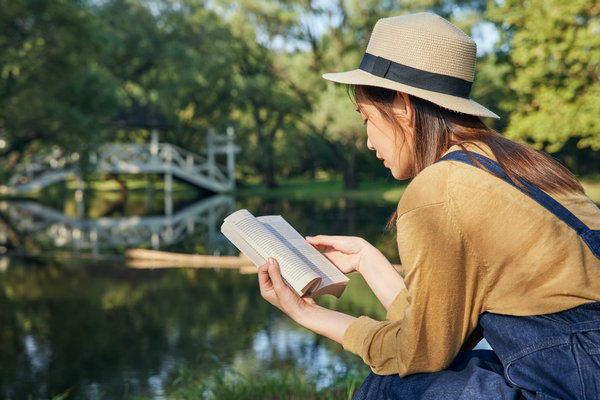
[437,129]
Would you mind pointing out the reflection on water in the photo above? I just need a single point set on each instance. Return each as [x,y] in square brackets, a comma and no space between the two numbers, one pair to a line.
[55,229]
[94,328]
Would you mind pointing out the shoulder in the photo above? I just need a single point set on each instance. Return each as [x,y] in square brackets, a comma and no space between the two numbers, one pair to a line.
[445,181]
[460,195]
[428,188]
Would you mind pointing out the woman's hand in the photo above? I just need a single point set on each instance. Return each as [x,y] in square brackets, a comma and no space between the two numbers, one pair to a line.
[347,253]
[278,293]
[303,310]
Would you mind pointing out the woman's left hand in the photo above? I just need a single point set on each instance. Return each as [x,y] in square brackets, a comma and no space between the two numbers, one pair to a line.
[278,293]
[303,310]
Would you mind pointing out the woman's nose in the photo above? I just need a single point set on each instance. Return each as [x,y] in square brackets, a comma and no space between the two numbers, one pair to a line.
[369,145]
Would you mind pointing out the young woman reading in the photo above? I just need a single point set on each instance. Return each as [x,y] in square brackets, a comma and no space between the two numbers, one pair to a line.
[497,240]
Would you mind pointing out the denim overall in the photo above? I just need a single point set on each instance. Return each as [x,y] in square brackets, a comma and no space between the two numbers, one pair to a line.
[552,356]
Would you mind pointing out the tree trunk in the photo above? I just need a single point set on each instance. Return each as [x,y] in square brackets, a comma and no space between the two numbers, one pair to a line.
[350,168]
[266,148]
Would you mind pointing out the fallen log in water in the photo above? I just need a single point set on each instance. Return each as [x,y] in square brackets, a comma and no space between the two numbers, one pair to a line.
[142,258]
[148,259]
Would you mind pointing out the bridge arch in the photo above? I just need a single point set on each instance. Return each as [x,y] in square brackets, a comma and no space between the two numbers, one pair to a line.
[200,170]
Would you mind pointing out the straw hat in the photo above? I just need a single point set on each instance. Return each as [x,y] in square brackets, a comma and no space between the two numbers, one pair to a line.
[422,55]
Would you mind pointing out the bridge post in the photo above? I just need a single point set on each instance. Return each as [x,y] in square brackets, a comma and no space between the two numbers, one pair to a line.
[79,197]
[168,183]
[230,146]
[154,145]
[210,152]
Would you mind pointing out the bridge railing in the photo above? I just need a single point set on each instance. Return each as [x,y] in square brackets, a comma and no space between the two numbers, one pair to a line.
[201,170]
[40,165]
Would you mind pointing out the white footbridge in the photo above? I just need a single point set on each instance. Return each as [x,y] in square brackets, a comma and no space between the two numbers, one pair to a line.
[203,171]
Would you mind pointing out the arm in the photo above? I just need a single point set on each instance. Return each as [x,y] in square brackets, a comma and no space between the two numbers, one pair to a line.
[351,254]
[303,310]
[445,298]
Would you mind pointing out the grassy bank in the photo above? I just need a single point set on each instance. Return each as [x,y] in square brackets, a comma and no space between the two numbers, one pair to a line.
[376,190]
[228,383]
[298,189]
[387,190]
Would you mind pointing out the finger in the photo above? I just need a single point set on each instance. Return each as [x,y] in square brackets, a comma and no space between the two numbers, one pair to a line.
[322,242]
[318,240]
[332,241]
[308,299]
[264,281]
[275,275]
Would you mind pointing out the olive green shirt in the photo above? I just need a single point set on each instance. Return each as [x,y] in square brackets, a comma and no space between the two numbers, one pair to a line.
[469,243]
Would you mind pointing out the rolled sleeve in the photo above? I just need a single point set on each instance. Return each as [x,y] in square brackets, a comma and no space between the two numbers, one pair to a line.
[396,310]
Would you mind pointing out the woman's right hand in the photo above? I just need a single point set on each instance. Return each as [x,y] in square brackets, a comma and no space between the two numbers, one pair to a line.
[350,253]
[347,253]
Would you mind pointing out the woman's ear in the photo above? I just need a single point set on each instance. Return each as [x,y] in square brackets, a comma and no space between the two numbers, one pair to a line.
[403,107]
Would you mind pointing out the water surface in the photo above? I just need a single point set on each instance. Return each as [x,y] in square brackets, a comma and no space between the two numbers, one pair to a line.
[74,318]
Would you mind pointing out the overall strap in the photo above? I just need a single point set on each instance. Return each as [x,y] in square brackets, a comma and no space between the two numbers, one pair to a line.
[590,237]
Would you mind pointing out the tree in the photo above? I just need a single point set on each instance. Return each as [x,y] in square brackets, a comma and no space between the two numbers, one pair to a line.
[177,58]
[552,71]
[70,67]
[52,89]
[266,105]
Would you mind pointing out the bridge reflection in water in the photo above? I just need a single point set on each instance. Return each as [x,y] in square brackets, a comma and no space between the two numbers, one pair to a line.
[46,225]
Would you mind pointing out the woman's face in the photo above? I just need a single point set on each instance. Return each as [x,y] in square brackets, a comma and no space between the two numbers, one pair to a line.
[394,146]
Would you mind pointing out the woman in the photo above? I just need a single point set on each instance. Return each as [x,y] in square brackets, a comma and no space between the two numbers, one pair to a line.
[496,239]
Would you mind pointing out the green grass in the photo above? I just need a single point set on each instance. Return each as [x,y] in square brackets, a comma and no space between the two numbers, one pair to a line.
[301,189]
[228,383]
[376,190]
[297,189]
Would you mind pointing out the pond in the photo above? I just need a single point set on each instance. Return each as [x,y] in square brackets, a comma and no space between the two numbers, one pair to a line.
[77,319]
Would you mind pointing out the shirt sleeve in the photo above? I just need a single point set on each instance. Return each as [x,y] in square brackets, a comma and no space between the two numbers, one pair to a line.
[429,321]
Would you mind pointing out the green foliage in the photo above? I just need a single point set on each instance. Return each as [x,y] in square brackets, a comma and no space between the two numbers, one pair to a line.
[552,71]
[68,69]
[52,87]
[176,59]
[228,383]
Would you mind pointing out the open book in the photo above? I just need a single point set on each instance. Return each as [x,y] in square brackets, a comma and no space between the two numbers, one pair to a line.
[302,266]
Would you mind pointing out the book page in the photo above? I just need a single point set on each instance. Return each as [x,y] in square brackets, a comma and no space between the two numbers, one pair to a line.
[304,250]
[263,243]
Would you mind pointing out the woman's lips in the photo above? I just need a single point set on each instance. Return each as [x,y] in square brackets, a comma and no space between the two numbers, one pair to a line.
[381,158]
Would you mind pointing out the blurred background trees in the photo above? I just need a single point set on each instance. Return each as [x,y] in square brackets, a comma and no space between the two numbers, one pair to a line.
[70,68]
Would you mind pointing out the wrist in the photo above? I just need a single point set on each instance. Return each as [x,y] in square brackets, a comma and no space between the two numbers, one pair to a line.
[365,257]
[306,314]
[329,323]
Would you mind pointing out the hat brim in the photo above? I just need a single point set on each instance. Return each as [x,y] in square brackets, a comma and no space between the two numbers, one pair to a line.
[459,104]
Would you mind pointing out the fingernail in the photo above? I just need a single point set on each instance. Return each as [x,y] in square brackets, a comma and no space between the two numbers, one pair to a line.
[271,261]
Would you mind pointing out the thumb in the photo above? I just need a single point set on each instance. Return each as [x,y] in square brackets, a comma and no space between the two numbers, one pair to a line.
[275,274]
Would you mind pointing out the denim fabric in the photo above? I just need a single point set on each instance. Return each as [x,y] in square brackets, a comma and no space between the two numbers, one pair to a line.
[551,356]
[472,375]
[555,355]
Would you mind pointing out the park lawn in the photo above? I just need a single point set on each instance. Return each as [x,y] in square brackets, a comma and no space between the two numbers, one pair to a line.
[302,189]
[387,190]
[375,190]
